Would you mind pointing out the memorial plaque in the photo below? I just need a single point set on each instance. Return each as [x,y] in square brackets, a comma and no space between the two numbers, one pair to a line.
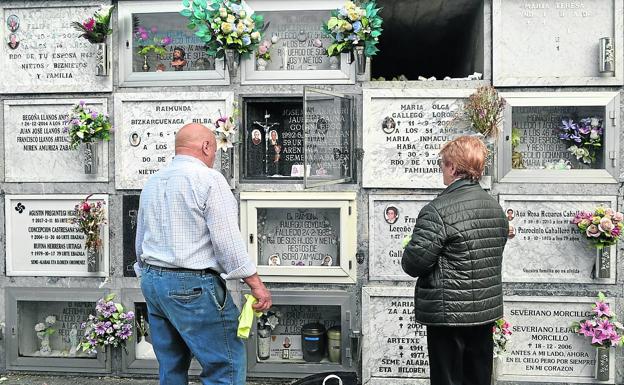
[285,344]
[43,53]
[37,146]
[41,241]
[146,126]
[130,207]
[394,345]
[546,246]
[542,347]
[544,43]
[68,316]
[299,236]
[404,131]
[539,130]
[391,218]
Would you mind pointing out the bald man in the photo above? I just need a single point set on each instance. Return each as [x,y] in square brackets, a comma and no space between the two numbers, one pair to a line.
[187,243]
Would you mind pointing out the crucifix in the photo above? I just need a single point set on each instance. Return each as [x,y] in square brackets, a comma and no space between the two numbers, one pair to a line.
[266,126]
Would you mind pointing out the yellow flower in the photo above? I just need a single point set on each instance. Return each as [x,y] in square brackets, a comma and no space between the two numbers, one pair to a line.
[349,5]
[223,12]
[596,220]
[230,18]
[347,26]
[255,35]
[248,21]
[240,27]
[242,13]
[353,15]
[226,27]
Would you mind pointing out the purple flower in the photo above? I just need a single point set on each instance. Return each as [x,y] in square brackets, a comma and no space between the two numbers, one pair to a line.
[82,103]
[124,333]
[100,328]
[605,326]
[94,115]
[598,337]
[141,30]
[601,309]
[143,36]
[614,338]
[166,40]
[130,315]
[587,329]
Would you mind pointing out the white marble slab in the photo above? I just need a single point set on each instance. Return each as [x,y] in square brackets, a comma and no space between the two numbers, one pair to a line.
[146,125]
[41,242]
[50,56]
[385,234]
[403,132]
[36,147]
[394,349]
[547,247]
[542,347]
[551,42]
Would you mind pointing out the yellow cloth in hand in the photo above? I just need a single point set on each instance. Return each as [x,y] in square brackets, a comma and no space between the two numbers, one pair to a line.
[406,240]
[246,317]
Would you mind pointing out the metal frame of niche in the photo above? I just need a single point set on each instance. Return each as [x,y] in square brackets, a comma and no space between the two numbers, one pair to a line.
[348,324]
[501,78]
[14,171]
[129,362]
[610,101]
[10,209]
[8,78]
[344,75]
[101,364]
[223,159]
[129,78]
[544,379]
[344,272]
[369,329]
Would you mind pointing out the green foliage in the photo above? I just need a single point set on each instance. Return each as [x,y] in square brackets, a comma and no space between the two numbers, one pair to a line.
[354,25]
[95,29]
[87,125]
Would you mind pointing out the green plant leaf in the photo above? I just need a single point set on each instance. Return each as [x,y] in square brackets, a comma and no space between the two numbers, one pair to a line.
[375,33]
[186,12]
[186,3]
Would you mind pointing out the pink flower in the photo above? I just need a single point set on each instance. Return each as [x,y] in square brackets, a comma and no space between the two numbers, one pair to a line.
[262,49]
[587,329]
[86,207]
[606,224]
[614,338]
[143,36]
[154,29]
[615,232]
[618,217]
[598,337]
[166,40]
[601,309]
[89,24]
[609,212]
[593,231]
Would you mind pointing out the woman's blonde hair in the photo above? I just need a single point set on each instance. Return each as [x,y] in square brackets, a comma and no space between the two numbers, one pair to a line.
[467,154]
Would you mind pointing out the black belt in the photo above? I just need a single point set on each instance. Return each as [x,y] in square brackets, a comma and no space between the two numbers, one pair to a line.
[182,270]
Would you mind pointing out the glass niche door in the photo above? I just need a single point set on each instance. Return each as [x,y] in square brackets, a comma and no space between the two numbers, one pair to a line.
[298,237]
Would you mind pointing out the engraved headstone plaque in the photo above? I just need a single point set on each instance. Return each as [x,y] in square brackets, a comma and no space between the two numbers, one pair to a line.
[546,246]
[394,346]
[542,43]
[147,124]
[391,218]
[37,145]
[42,242]
[543,348]
[403,134]
[130,208]
[42,52]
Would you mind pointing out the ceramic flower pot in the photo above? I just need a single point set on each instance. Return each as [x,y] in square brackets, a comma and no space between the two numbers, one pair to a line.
[144,350]
[603,262]
[360,60]
[101,59]
[602,364]
[232,59]
[90,157]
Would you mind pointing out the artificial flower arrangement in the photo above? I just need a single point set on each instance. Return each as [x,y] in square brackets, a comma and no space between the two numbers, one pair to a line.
[584,137]
[354,25]
[264,49]
[225,130]
[603,227]
[484,110]
[147,40]
[95,29]
[269,320]
[87,125]
[46,328]
[501,333]
[110,326]
[90,217]
[224,24]
[602,327]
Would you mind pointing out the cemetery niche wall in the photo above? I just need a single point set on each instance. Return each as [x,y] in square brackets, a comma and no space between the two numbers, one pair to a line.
[42,53]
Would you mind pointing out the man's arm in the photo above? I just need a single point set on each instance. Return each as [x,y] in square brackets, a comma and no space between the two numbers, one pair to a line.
[421,253]
[138,242]
[259,291]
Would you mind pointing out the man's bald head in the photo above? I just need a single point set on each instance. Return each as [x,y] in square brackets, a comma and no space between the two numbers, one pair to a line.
[198,141]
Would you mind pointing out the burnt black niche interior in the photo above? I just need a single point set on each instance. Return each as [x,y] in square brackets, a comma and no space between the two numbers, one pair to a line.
[430,38]
[272,137]
[130,207]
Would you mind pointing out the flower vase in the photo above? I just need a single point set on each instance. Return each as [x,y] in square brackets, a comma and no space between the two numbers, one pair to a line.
[497,365]
[606,59]
[264,343]
[602,364]
[146,66]
[101,60]
[144,350]
[93,260]
[45,349]
[360,60]
[90,157]
[603,262]
[261,63]
[232,59]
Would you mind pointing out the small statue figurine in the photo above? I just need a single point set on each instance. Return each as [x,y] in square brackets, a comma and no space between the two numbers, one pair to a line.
[73,340]
[179,60]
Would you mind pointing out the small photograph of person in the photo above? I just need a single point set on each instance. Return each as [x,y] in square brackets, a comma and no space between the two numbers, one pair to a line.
[13,42]
[391,214]
[256,137]
[322,126]
[512,232]
[510,214]
[13,23]
[327,260]
[274,260]
[388,125]
[286,344]
[273,137]
[135,139]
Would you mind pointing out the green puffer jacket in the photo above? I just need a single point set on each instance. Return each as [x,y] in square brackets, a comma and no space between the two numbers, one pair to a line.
[456,251]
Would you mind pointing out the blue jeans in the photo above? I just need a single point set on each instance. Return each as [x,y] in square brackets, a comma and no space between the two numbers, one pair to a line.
[192,314]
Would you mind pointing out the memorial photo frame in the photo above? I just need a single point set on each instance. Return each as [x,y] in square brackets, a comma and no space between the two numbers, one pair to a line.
[542,113]
[309,65]
[330,221]
[188,66]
